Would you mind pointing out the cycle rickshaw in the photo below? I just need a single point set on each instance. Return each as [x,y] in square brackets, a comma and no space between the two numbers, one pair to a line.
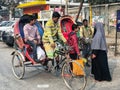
[60,65]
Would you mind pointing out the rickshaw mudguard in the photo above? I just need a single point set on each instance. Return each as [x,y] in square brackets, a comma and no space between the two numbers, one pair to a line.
[18,52]
[13,53]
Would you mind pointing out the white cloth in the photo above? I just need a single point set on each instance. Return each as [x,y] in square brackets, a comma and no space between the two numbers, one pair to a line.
[40,53]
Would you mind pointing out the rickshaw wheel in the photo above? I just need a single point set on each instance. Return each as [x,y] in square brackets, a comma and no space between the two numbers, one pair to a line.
[18,66]
[72,81]
[57,64]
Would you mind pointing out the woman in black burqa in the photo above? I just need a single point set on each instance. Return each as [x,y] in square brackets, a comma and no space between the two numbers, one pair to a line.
[100,68]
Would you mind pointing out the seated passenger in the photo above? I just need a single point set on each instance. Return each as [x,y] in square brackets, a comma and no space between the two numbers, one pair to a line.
[32,36]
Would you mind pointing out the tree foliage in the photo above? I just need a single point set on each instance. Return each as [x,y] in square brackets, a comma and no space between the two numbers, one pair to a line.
[9,3]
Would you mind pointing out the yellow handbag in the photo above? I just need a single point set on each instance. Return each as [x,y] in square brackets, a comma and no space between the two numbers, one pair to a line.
[78,66]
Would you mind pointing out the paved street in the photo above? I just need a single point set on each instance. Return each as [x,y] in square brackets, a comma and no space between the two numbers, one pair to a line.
[37,79]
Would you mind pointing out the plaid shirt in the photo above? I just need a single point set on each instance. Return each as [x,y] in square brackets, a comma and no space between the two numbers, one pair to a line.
[31,32]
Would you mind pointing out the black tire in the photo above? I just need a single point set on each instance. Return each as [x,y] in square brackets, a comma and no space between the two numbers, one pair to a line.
[18,66]
[10,41]
[3,36]
[72,81]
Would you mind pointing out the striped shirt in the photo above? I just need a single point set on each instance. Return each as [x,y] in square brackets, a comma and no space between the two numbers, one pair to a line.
[52,32]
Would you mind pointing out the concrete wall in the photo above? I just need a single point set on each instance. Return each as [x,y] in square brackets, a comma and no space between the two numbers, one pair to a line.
[105,14]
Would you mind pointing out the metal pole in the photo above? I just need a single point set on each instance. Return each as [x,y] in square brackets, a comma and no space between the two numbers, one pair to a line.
[66,7]
[90,8]
[117,30]
[80,8]
[116,43]
[10,15]
[106,19]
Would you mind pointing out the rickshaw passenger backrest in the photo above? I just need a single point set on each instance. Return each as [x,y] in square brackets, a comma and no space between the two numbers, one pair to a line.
[40,29]
[69,25]
[63,26]
[66,25]
[21,25]
[16,28]
[17,36]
